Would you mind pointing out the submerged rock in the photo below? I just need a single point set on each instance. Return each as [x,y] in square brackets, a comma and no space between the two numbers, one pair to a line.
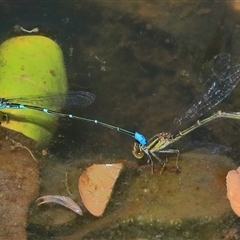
[199,191]
[19,184]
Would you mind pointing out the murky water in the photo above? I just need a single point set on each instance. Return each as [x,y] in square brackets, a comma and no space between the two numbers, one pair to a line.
[142,61]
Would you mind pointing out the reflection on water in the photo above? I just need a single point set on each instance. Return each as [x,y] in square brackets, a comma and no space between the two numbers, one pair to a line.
[142,61]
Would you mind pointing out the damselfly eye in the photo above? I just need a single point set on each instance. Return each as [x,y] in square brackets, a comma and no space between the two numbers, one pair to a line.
[137,151]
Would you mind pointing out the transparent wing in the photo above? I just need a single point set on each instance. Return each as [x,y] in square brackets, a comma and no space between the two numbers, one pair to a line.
[69,100]
[220,79]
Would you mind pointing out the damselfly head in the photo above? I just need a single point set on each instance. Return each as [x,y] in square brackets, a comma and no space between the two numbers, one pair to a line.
[137,151]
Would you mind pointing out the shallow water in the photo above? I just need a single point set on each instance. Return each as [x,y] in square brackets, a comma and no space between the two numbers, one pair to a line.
[142,61]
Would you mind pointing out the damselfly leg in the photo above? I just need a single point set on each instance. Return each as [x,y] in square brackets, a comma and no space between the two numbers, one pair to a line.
[3,117]
[151,152]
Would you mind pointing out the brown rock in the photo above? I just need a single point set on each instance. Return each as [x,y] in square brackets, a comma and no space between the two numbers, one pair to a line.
[19,183]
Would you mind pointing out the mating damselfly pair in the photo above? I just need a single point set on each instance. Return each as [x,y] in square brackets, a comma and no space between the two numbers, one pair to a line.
[219,74]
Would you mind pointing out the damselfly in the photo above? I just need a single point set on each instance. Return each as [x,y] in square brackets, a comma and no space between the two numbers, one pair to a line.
[222,79]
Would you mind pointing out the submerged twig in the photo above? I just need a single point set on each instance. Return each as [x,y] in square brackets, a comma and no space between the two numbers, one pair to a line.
[19,28]
[66,183]
[19,145]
